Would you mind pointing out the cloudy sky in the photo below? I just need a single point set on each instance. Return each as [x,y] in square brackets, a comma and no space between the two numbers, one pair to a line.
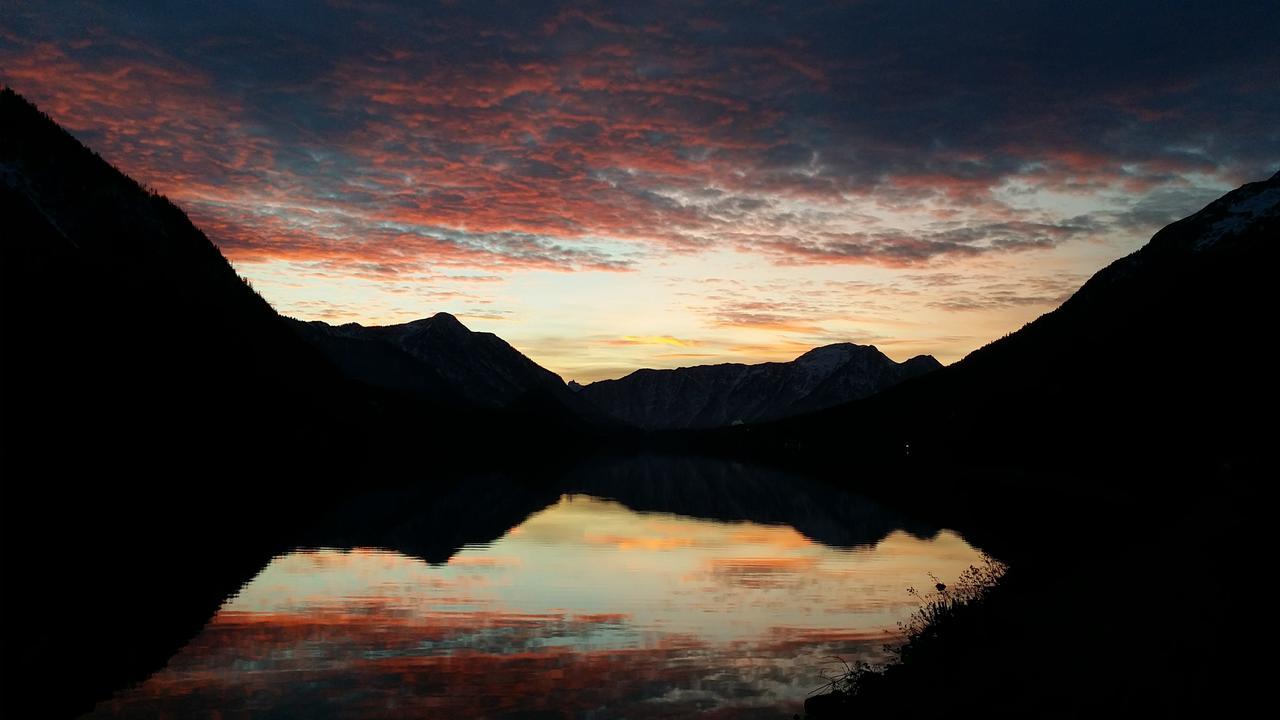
[620,185]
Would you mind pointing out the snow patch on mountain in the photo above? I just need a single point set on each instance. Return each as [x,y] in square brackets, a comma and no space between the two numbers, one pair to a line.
[1240,215]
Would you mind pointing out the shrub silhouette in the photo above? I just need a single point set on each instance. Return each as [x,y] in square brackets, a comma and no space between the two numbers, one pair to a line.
[926,633]
[944,605]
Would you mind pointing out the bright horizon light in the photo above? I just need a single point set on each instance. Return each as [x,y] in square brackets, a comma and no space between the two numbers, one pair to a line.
[611,188]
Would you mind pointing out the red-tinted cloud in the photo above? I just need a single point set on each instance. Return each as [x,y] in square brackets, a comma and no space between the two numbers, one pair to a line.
[384,142]
[366,664]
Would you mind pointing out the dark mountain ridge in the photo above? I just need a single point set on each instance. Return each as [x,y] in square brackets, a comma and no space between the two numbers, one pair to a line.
[440,360]
[115,305]
[150,399]
[1153,360]
[707,396]
[437,357]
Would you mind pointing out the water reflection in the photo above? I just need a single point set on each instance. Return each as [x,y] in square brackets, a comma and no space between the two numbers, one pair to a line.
[586,609]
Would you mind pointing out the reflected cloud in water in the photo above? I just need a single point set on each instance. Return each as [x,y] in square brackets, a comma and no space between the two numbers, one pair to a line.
[586,609]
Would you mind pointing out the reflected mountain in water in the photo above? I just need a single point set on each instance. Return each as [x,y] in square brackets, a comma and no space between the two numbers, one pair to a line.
[638,587]
[432,525]
[732,491]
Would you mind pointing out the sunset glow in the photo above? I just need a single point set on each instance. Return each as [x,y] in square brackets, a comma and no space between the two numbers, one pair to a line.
[612,188]
[587,604]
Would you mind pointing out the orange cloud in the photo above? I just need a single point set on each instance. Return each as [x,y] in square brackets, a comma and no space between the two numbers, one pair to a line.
[634,542]
[630,340]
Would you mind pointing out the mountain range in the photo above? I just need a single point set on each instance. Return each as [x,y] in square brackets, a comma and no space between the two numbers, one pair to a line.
[708,396]
[114,301]
[440,359]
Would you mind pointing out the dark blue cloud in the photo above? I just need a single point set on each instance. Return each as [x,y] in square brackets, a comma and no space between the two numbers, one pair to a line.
[614,119]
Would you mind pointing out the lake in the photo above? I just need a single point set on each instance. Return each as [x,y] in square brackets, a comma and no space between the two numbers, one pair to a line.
[642,588]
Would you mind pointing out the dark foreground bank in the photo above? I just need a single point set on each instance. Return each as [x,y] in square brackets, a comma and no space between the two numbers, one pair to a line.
[1150,608]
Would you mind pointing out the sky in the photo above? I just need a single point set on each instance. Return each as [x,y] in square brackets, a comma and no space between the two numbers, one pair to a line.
[610,186]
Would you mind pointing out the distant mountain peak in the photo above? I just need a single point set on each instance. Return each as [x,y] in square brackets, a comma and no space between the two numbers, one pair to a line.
[733,393]
[441,326]
[923,362]
[446,319]
[827,358]
[843,349]
[441,320]
[435,356]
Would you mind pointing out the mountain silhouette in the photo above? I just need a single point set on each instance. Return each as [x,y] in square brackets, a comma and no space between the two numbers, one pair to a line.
[484,507]
[436,357]
[1153,360]
[148,398]
[124,327]
[708,396]
[127,334]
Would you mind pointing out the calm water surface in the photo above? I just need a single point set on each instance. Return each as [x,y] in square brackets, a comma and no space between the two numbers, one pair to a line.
[586,609]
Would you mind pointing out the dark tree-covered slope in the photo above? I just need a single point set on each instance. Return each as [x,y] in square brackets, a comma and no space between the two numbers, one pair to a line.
[1158,359]
[150,400]
[125,332]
